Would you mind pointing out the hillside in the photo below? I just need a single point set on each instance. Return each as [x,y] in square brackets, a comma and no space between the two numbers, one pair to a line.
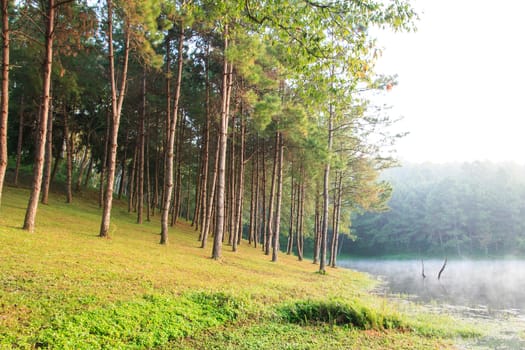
[63,287]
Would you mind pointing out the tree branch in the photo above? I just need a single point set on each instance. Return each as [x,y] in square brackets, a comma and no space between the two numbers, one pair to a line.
[442,269]
[315,4]
[287,30]
[63,2]
[252,16]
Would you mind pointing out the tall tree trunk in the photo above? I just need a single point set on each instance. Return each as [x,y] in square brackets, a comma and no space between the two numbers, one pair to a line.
[227,194]
[58,159]
[241,182]
[231,188]
[104,165]
[155,199]
[174,210]
[296,220]
[142,141]
[280,152]
[178,159]
[148,175]
[48,160]
[300,222]
[116,108]
[88,172]
[195,221]
[204,186]
[123,179]
[334,214]
[20,137]
[206,150]
[132,176]
[256,204]
[123,168]
[270,230]
[240,224]
[324,222]
[223,138]
[338,220]
[167,123]
[4,102]
[82,168]
[69,158]
[337,216]
[196,218]
[289,246]
[168,166]
[264,217]
[205,227]
[326,198]
[188,190]
[253,188]
[136,179]
[29,221]
[240,188]
[317,225]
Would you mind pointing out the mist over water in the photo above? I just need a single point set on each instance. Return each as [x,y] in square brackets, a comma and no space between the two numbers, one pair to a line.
[490,293]
[493,284]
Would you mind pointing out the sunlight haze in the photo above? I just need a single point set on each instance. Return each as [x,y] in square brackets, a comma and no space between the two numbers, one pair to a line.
[461,78]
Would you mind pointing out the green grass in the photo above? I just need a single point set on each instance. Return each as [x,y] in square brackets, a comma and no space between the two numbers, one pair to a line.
[145,323]
[64,287]
[275,335]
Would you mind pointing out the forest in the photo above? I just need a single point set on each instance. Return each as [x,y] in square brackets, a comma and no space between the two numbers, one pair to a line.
[249,119]
[459,209]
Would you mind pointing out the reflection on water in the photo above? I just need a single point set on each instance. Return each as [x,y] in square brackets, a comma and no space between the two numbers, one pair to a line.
[485,284]
[490,291]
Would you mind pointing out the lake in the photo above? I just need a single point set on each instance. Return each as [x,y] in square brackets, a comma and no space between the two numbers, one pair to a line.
[478,290]
[494,284]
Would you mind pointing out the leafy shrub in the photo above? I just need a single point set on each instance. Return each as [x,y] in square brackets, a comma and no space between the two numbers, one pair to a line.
[338,313]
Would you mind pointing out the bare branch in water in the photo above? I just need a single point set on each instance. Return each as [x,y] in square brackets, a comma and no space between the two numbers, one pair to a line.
[442,269]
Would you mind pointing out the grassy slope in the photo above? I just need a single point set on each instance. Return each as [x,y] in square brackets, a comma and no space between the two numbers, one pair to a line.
[63,279]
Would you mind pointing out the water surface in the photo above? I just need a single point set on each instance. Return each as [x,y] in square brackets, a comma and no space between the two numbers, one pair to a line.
[488,292]
[494,284]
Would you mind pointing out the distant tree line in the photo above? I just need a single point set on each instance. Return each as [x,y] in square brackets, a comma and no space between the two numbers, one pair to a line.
[457,209]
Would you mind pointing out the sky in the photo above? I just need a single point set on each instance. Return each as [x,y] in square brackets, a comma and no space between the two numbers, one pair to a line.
[461,81]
